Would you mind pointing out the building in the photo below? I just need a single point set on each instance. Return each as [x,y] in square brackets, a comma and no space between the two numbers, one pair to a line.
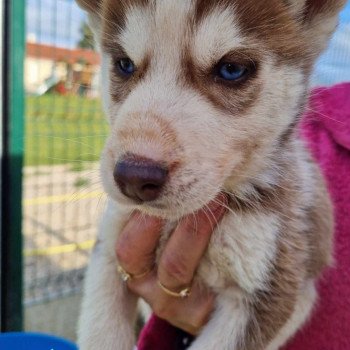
[64,70]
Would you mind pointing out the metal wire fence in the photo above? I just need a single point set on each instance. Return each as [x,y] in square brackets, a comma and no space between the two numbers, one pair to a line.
[64,134]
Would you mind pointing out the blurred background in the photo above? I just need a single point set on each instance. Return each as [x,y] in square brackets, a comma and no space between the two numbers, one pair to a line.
[64,130]
[64,134]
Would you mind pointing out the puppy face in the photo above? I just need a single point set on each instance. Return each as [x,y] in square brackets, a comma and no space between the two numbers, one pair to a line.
[201,93]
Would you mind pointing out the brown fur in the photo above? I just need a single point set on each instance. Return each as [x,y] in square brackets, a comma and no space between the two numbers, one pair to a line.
[257,18]
[316,8]
[273,306]
[121,87]
[91,6]
[220,93]
[320,238]
[297,248]
[113,13]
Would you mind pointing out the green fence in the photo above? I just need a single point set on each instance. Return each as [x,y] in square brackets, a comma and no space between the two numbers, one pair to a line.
[12,19]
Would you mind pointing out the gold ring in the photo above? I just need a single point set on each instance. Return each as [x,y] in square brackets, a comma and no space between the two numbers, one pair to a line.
[186,292]
[126,276]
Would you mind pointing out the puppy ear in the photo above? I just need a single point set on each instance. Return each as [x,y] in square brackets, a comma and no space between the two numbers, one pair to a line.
[322,9]
[319,19]
[91,6]
[295,7]
[308,9]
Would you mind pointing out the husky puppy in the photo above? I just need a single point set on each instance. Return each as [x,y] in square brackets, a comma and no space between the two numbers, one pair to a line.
[207,96]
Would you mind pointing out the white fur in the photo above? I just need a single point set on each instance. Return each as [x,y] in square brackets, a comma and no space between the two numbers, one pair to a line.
[103,325]
[243,246]
[230,315]
[209,45]
[137,33]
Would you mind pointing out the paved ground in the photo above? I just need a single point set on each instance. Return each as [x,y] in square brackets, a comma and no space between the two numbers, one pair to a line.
[59,317]
[62,205]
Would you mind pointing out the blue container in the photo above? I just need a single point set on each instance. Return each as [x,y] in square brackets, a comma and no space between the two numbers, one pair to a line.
[33,341]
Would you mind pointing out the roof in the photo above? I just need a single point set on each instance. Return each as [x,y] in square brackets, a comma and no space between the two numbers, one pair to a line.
[41,51]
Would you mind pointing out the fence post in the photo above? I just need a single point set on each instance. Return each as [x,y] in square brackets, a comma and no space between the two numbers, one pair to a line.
[1,128]
[12,162]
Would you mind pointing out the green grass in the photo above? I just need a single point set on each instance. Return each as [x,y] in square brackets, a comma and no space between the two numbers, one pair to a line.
[63,129]
[78,167]
[81,182]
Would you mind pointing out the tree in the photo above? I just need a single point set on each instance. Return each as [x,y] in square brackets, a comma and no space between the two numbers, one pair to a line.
[87,38]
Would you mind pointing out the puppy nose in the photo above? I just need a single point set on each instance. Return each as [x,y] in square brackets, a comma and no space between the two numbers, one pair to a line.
[140,178]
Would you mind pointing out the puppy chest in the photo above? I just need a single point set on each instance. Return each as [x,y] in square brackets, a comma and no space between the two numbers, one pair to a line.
[242,251]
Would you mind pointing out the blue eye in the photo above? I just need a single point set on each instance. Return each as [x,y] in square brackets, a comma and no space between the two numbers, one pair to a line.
[231,71]
[126,66]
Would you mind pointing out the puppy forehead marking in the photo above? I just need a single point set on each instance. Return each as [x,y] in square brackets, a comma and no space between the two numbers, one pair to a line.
[216,34]
[159,27]
[266,22]
[136,33]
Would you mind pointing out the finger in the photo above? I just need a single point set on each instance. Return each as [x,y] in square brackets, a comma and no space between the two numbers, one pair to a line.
[137,242]
[189,314]
[188,244]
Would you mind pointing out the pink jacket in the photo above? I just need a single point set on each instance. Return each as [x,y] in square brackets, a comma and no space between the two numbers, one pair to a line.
[326,130]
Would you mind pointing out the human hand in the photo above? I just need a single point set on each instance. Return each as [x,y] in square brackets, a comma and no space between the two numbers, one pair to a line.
[136,249]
